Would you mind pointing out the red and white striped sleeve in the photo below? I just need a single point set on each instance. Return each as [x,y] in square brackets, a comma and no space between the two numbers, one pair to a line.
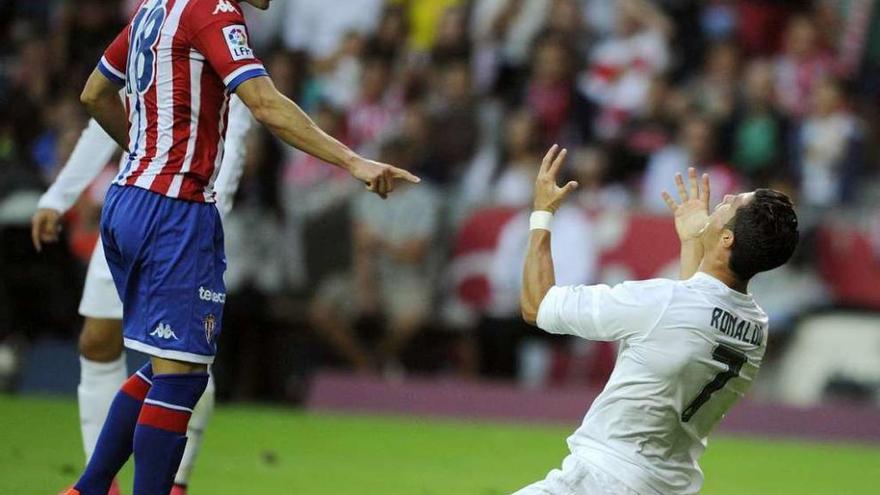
[218,31]
[115,58]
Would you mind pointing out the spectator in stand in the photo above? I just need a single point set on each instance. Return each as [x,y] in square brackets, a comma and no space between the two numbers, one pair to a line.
[338,76]
[550,91]
[647,133]
[452,42]
[453,120]
[757,136]
[695,147]
[522,146]
[830,148]
[389,39]
[801,65]
[566,19]
[376,107]
[83,30]
[511,25]
[595,193]
[713,90]
[622,67]
[257,265]
[392,276]
[425,21]
[312,192]
[315,28]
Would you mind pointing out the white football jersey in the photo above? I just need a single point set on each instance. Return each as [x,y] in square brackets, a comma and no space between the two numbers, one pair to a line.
[689,350]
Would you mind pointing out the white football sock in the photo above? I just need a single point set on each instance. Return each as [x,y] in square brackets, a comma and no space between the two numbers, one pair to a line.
[197,423]
[98,384]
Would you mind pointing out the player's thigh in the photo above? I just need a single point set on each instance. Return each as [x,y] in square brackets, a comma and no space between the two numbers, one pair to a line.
[182,284]
[100,299]
[167,259]
[162,366]
[576,478]
[571,479]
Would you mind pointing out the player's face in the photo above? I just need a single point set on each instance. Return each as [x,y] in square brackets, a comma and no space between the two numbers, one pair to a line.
[260,4]
[726,210]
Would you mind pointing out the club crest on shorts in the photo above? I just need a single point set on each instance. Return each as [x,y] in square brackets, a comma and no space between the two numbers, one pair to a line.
[210,324]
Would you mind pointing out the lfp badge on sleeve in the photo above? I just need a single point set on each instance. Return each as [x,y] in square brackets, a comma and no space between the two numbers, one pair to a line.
[237,42]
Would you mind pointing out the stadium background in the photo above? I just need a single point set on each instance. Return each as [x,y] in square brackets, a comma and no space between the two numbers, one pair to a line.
[468,94]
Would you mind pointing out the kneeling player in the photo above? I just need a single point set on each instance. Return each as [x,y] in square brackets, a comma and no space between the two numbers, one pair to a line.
[689,349]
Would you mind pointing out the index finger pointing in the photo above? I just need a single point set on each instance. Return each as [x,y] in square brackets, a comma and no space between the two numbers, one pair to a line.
[399,173]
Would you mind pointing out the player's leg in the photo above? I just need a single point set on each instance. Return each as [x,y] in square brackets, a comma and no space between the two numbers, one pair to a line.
[577,478]
[114,445]
[175,316]
[102,373]
[197,423]
[160,434]
[168,269]
[102,360]
[567,480]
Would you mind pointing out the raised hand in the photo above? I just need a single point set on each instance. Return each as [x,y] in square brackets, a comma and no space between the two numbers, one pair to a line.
[548,195]
[692,214]
[380,177]
[45,226]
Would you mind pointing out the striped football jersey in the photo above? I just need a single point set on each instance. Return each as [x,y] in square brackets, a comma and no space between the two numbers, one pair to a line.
[179,61]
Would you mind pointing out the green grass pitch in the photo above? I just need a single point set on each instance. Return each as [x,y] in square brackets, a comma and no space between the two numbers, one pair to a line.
[261,450]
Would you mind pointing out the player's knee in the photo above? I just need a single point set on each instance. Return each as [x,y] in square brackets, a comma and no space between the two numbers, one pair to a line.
[101,340]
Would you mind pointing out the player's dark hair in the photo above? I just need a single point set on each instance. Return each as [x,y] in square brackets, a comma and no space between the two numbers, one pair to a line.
[765,234]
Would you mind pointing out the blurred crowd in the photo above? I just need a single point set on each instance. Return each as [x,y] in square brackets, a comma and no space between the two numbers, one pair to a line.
[468,94]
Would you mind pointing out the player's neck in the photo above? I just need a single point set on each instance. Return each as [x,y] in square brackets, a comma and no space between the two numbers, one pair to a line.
[723,273]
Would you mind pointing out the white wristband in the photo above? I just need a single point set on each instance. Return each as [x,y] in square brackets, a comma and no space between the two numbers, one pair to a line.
[540,220]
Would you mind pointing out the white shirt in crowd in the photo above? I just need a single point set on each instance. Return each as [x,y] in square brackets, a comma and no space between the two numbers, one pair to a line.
[688,351]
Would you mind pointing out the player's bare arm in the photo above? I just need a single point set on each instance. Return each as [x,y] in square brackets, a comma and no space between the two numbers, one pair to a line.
[538,274]
[101,99]
[691,218]
[287,121]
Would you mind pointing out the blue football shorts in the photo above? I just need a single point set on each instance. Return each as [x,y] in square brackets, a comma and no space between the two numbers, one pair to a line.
[167,260]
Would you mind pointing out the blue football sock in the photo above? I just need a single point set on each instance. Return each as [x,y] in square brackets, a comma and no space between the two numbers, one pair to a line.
[160,435]
[115,442]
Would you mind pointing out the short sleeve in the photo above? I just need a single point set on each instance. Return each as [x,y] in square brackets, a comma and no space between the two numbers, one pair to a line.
[115,58]
[599,312]
[218,31]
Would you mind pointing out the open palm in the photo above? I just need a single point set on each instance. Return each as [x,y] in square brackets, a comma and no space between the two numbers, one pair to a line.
[692,213]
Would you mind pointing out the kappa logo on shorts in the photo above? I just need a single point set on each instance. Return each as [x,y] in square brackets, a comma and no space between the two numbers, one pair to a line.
[210,324]
[237,41]
[211,296]
[224,6]
[163,331]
